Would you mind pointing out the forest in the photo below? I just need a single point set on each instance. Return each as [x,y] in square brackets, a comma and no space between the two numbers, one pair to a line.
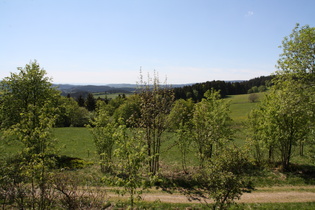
[189,141]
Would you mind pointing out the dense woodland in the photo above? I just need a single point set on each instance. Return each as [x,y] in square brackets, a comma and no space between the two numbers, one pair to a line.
[129,132]
[197,91]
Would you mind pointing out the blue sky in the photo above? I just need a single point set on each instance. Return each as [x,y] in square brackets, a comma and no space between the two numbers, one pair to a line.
[187,41]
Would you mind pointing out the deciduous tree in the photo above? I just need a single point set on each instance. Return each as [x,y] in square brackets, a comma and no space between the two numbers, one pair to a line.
[180,119]
[211,124]
[283,119]
[155,105]
[298,55]
[224,177]
[28,113]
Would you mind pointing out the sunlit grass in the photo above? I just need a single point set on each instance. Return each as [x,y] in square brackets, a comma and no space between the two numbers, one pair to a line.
[75,142]
[240,106]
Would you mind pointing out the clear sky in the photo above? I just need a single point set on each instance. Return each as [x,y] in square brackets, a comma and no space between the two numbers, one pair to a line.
[108,41]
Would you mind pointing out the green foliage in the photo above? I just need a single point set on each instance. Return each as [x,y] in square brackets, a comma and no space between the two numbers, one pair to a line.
[156,103]
[282,120]
[103,129]
[131,167]
[224,177]
[23,91]
[128,113]
[81,117]
[262,88]
[27,108]
[81,101]
[253,97]
[211,125]
[298,53]
[180,120]
[70,113]
[28,114]
[90,102]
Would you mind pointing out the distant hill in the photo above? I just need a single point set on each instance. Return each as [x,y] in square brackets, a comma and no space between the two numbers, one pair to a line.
[76,90]
[194,90]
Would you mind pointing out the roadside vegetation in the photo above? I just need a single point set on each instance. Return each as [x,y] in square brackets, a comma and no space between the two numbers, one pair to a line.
[86,153]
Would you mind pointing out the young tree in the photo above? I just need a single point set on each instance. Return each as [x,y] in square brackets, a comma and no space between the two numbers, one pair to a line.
[28,98]
[180,120]
[224,177]
[26,91]
[28,112]
[103,129]
[211,124]
[298,53]
[155,105]
[297,62]
[131,155]
[283,119]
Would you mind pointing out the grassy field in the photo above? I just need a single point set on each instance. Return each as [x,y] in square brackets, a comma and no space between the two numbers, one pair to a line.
[240,106]
[75,142]
[109,96]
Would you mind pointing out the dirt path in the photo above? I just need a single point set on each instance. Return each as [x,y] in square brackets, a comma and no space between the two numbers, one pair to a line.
[262,195]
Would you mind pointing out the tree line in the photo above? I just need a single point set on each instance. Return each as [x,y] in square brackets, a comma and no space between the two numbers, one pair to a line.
[129,132]
[197,91]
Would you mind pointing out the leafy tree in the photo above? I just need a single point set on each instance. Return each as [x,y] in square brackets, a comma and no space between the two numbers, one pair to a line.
[211,124]
[25,91]
[28,113]
[155,105]
[81,117]
[298,53]
[68,110]
[261,145]
[253,97]
[131,155]
[253,90]
[283,119]
[224,177]
[262,88]
[297,62]
[180,119]
[28,107]
[103,129]
[128,113]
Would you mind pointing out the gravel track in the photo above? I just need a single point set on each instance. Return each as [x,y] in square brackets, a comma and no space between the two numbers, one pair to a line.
[262,195]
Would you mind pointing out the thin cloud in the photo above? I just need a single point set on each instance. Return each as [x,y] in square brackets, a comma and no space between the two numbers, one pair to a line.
[249,13]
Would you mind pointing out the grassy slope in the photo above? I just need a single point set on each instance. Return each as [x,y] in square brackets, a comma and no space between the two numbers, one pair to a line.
[240,106]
